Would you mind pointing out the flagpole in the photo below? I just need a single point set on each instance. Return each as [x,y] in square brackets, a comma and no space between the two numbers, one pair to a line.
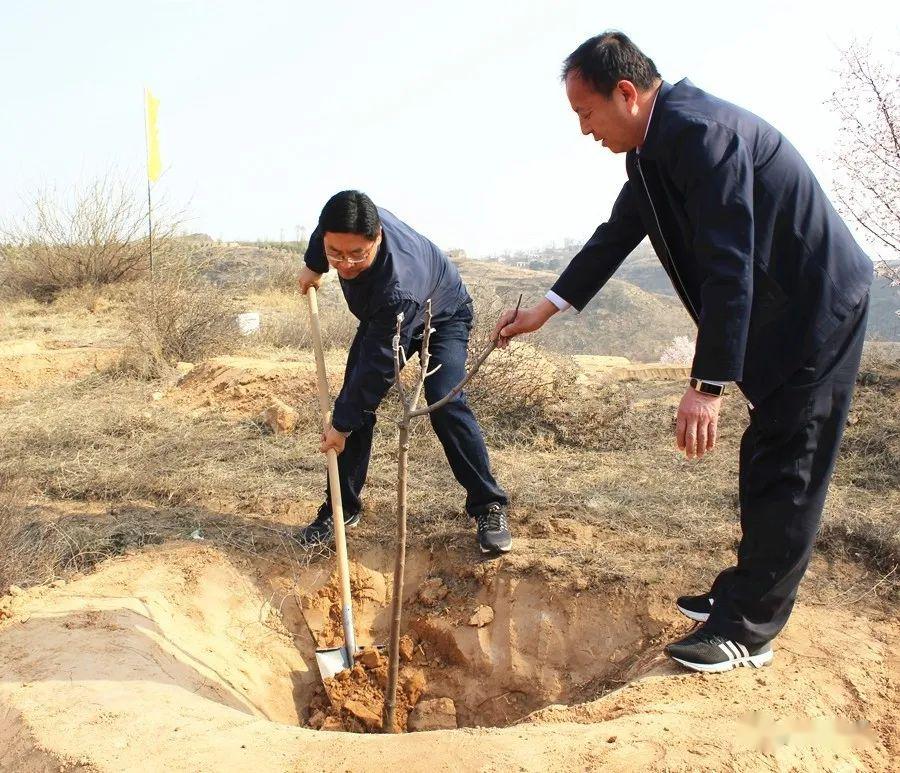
[149,200]
[150,228]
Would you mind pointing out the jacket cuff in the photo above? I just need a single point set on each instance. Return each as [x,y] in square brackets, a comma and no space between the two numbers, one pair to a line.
[346,418]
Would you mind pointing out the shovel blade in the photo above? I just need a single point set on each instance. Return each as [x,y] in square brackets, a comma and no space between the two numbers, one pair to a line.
[332,661]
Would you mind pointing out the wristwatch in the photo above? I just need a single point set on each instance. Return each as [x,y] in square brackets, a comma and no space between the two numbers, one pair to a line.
[704,387]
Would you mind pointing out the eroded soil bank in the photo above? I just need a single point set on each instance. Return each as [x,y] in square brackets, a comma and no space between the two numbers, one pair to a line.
[183,657]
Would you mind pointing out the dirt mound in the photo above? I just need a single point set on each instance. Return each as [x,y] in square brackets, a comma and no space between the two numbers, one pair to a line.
[245,386]
[181,658]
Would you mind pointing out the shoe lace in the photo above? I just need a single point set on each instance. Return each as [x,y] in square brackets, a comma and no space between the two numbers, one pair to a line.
[493,520]
[710,638]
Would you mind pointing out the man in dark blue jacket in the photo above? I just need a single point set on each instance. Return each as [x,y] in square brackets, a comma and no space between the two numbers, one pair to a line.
[385,269]
[779,291]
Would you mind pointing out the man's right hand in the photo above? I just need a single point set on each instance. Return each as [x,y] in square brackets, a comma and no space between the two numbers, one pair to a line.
[512,323]
[308,278]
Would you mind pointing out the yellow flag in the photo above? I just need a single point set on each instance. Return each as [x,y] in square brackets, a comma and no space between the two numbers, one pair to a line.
[151,112]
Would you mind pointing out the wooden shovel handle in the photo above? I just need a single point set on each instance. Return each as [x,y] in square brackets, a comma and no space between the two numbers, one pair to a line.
[334,481]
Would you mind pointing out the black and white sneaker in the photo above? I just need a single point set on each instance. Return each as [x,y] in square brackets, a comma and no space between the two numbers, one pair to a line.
[321,530]
[706,651]
[493,530]
[695,607]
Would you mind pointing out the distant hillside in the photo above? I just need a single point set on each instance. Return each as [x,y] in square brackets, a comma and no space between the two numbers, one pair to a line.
[622,320]
[642,268]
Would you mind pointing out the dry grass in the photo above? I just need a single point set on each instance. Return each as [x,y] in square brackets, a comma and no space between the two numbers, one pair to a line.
[285,321]
[597,487]
[108,439]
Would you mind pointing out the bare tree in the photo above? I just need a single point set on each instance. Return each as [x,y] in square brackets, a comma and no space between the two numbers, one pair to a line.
[97,235]
[867,158]
[409,401]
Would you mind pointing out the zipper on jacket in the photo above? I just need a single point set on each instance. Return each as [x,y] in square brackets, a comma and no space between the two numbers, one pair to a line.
[679,285]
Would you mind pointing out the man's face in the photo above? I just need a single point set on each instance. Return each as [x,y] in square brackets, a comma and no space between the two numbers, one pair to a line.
[350,254]
[614,120]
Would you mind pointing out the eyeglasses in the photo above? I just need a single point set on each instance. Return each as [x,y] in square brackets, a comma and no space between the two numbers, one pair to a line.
[354,258]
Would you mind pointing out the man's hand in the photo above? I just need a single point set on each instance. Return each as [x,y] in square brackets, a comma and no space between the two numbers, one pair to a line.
[696,425]
[512,323]
[333,439]
[308,278]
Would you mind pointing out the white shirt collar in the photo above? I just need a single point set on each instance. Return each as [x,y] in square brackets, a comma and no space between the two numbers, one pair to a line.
[649,118]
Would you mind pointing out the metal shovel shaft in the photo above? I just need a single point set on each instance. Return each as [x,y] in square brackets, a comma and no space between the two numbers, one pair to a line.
[334,484]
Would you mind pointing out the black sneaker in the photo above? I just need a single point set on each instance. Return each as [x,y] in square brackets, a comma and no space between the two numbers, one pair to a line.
[706,651]
[493,530]
[695,607]
[321,530]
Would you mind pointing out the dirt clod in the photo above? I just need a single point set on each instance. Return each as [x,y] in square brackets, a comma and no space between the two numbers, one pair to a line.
[407,648]
[316,719]
[432,591]
[279,417]
[363,713]
[333,724]
[369,658]
[483,616]
[436,714]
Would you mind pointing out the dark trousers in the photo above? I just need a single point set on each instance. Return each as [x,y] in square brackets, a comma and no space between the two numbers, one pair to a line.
[454,424]
[786,460]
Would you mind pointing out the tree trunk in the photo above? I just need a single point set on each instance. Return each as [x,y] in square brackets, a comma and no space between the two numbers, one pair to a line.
[390,696]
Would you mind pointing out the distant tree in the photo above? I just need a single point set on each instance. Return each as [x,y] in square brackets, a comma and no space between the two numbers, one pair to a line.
[867,157]
[680,351]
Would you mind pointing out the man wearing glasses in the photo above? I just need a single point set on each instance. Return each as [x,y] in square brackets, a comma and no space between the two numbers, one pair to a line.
[385,269]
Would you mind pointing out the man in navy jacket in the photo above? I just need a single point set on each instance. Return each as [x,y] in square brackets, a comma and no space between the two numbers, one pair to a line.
[386,269]
[778,289]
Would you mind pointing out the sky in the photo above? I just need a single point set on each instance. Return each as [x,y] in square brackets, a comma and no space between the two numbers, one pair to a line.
[449,114]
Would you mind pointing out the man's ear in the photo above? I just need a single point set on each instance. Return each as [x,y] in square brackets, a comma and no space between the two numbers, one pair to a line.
[629,93]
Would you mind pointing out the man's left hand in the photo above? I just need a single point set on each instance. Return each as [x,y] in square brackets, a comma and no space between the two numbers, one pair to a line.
[333,439]
[697,422]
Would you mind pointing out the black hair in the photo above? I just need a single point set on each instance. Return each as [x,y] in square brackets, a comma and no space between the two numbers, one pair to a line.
[350,212]
[608,58]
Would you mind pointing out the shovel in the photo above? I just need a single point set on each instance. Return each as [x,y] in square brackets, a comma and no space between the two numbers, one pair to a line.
[335,659]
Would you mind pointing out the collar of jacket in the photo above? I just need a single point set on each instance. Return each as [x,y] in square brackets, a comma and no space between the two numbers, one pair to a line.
[654,143]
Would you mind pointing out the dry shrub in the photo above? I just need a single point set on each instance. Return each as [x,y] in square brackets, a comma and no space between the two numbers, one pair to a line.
[528,394]
[281,275]
[95,236]
[177,318]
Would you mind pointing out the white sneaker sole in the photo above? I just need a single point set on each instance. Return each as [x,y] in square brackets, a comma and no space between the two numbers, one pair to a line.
[498,550]
[753,661]
[700,617]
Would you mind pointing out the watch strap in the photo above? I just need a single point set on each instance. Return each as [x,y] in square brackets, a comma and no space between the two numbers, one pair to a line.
[706,388]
